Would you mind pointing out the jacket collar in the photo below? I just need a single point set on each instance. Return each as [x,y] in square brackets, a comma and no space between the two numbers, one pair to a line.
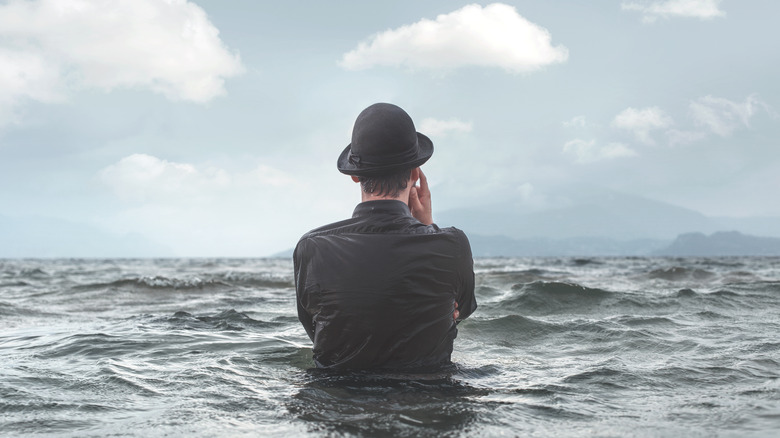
[383,206]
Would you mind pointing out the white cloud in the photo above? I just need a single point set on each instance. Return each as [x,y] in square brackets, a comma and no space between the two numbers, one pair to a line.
[589,152]
[141,177]
[576,122]
[652,10]
[493,36]
[52,47]
[434,127]
[201,210]
[642,121]
[24,76]
[145,178]
[723,116]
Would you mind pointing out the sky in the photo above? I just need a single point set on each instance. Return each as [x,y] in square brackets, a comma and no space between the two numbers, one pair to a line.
[212,127]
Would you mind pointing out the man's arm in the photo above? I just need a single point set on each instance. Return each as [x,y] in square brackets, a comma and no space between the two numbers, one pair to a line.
[466,302]
[420,206]
[299,256]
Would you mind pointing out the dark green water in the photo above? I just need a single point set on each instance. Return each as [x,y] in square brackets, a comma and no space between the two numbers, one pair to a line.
[558,347]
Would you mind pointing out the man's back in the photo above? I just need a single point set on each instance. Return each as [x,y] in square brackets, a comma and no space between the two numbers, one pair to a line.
[378,291]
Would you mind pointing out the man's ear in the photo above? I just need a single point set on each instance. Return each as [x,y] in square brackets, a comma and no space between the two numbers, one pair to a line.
[356,179]
[415,174]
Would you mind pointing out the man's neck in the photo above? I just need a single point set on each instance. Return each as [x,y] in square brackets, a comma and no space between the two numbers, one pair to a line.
[403,197]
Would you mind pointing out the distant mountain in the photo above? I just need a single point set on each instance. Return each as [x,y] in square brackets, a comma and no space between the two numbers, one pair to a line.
[51,237]
[286,254]
[597,214]
[616,217]
[724,243]
[757,226]
[502,246]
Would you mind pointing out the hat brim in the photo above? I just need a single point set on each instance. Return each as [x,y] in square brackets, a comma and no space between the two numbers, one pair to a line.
[424,152]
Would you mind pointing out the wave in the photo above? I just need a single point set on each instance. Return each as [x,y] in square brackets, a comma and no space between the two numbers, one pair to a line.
[710,315]
[605,376]
[97,345]
[561,298]
[637,320]
[17,283]
[230,320]
[156,283]
[585,262]
[151,335]
[586,336]
[679,273]
[160,282]
[487,292]
[518,276]
[512,327]
[725,299]
[542,297]
[690,293]
[257,280]
[33,273]
[8,309]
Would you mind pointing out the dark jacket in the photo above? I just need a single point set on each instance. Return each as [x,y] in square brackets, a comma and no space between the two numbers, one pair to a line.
[377,291]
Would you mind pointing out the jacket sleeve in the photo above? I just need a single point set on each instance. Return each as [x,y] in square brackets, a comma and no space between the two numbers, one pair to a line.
[467,302]
[301,259]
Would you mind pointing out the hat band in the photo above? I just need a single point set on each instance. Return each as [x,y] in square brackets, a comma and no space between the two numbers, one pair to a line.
[405,157]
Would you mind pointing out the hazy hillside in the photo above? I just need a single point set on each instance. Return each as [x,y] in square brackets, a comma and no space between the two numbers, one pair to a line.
[606,215]
[723,243]
[49,237]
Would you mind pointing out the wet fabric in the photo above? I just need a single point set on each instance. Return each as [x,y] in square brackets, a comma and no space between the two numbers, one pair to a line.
[377,291]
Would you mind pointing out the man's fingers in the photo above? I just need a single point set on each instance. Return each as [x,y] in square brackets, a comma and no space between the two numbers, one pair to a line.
[423,181]
[414,200]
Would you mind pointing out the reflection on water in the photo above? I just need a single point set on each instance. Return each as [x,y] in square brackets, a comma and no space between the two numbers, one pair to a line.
[366,404]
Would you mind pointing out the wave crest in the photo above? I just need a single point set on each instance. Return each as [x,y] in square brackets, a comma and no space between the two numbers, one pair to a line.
[677,273]
[159,282]
[545,297]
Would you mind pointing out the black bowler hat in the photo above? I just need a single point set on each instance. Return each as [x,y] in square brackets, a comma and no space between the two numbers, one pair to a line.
[384,141]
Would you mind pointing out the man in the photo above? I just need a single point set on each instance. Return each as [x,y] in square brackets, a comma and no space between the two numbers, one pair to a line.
[385,289]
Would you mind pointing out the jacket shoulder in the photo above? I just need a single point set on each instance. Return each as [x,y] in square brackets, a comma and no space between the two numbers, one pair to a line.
[456,232]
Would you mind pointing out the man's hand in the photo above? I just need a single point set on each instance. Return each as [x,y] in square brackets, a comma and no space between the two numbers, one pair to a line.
[420,201]
[455,313]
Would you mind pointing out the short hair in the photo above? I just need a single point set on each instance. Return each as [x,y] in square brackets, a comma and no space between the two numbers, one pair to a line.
[386,185]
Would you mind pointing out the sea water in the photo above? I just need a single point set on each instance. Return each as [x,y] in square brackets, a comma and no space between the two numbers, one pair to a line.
[558,347]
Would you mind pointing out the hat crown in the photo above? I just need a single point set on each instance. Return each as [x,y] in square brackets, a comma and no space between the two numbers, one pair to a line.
[383,134]
[384,140]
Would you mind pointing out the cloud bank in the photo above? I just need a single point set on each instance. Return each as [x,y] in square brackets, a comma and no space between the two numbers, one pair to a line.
[199,209]
[642,121]
[142,178]
[652,10]
[707,115]
[723,116]
[493,36]
[146,178]
[51,47]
